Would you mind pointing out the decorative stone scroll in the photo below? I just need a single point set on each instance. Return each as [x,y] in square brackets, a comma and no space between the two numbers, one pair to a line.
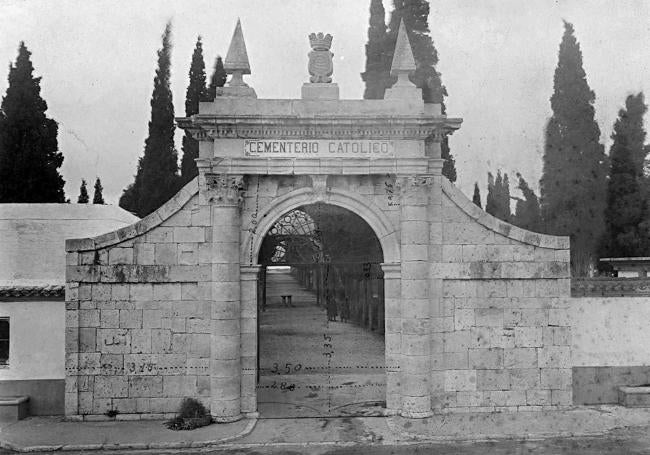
[225,189]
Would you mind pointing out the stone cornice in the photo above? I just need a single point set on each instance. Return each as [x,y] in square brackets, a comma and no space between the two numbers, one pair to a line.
[501,227]
[319,166]
[210,127]
[139,227]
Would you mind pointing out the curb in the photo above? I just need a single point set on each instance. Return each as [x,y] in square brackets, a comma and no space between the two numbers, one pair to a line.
[250,426]
[419,437]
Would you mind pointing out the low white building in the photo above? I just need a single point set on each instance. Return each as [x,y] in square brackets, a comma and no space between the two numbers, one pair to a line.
[32,297]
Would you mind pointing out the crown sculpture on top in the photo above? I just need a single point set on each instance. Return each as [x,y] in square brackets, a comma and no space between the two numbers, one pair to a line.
[320,58]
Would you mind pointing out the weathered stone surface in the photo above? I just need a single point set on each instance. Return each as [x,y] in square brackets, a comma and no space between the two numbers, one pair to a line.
[166,308]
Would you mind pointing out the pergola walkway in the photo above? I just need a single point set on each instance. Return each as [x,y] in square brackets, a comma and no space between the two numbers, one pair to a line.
[311,366]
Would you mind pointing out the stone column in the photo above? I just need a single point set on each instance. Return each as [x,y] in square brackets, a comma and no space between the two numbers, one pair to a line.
[438,321]
[415,305]
[249,276]
[224,196]
[392,336]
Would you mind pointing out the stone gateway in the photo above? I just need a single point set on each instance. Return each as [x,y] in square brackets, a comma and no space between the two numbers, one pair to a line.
[474,309]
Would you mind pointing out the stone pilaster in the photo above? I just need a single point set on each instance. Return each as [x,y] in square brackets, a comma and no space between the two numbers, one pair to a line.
[415,364]
[393,335]
[71,352]
[249,276]
[224,193]
[438,321]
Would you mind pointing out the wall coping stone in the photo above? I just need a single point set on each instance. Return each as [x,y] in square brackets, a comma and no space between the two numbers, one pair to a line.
[501,227]
[140,227]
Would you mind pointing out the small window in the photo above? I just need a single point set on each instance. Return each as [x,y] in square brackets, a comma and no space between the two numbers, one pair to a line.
[4,341]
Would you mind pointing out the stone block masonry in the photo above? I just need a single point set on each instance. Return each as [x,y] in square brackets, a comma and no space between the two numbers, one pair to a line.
[501,343]
[139,314]
[475,309]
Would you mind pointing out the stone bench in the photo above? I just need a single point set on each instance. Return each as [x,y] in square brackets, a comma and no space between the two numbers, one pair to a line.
[13,409]
[634,397]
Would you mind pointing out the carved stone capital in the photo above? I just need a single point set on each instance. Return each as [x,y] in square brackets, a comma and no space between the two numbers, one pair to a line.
[225,190]
[438,135]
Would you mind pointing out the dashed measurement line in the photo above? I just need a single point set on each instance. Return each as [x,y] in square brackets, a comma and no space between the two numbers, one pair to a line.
[316,387]
[254,220]
[326,367]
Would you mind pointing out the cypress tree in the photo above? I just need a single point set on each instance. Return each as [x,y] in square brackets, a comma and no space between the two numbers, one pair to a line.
[98,197]
[490,200]
[157,177]
[218,79]
[29,156]
[627,234]
[505,199]
[476,199]
[83,193]
[574,177]
[377,74]
[502,197]
[196,91]
[416,20]
[498,199]
[527,212]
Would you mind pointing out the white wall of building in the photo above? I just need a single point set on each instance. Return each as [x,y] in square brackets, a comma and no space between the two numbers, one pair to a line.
[37,340]
[32,238]
[610,331]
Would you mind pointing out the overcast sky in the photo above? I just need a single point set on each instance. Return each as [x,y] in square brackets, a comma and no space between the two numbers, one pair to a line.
[497,58]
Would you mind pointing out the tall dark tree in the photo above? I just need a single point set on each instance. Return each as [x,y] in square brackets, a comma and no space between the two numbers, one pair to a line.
[503,197]
[476,199]
[83,193]
[157,177]
[218,79]
[527,211]
[98,197]
[574,178]
[377,74]
[196,91]
[490,199]
[416,19]
[626,215]
[498,198]
[29,156]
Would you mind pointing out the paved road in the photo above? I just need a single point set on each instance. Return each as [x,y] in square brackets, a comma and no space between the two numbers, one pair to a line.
[629,442]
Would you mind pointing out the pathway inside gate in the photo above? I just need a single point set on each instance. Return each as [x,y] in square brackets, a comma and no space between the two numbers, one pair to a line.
[310,366]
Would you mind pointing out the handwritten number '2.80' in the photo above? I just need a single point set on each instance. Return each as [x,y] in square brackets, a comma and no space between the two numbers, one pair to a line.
[284,386]
[288,368]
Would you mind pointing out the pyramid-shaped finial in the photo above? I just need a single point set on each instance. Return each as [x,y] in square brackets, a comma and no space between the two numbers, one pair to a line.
[403,60]
[236,62]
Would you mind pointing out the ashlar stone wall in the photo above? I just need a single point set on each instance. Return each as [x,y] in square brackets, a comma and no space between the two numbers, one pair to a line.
[504,339]
[476,310]
[138,314]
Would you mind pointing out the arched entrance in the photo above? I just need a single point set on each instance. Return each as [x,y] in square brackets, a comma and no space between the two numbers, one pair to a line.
[321,349]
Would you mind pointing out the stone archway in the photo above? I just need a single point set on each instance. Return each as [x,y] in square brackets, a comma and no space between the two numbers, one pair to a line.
[388,237]
[374,216]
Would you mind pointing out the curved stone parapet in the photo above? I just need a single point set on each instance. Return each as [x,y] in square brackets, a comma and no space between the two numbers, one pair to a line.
[501,227]
[140,227]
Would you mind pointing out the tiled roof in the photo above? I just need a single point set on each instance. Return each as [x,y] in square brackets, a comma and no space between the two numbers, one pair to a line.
[49,291]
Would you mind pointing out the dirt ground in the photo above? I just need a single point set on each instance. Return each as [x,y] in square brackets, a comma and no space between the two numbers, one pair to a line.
[311,366]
